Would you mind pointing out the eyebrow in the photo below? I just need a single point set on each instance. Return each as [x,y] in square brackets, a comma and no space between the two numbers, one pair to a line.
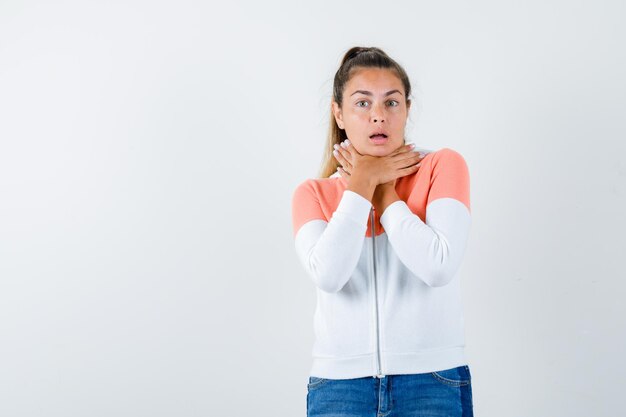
[368,93]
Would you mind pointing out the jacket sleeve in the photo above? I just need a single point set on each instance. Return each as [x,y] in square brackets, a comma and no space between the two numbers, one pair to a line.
[329,251]
[433,250]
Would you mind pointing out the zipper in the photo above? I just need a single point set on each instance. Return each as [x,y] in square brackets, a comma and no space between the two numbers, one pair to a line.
[373,228]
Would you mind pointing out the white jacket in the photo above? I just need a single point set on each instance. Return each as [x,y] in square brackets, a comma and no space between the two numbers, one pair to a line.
[388,288]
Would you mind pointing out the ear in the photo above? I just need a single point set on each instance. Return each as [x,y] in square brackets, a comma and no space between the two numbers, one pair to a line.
[408,106]
[337,113]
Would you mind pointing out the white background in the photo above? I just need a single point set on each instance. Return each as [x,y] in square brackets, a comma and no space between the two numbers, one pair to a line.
[148,152]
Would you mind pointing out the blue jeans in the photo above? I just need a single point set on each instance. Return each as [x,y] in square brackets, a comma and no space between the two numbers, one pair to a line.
[445,393]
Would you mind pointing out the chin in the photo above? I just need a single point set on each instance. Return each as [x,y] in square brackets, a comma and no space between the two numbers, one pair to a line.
[379,151]
[383,150]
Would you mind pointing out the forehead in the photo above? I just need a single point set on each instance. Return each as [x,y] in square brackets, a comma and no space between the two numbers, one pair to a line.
[376,80]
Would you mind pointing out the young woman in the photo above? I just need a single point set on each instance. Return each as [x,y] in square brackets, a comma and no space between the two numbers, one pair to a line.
[382,235]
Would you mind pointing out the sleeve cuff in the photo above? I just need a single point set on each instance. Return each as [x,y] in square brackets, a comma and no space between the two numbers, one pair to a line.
[354,206]
[394,213]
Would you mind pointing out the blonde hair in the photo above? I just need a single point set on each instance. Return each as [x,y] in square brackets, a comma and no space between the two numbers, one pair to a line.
[356,57]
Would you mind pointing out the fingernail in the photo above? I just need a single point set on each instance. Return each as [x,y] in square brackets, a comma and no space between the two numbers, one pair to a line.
[336,146]
[343,144]
[335,152]
[347,142]
[411,144]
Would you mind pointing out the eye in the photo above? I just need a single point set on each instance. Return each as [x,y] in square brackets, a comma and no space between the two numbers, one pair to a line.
[394,101]
[358,102]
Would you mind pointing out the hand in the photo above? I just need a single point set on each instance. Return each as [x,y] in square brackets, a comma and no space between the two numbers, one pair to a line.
[384,195]
[383,170]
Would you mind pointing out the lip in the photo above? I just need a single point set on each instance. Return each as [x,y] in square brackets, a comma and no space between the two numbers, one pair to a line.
[380,140]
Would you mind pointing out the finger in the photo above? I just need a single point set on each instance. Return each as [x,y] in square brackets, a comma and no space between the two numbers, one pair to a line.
[347,145]
[347,168]
[342,155]
[350,153]
[343,173]
[337,153]
[402,149]
[413,159]
[403,172]
[409,158]
[410,169]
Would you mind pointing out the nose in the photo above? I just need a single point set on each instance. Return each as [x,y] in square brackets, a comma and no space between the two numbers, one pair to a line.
[378,114]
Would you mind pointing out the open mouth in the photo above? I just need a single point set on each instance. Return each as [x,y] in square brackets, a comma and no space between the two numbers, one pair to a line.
[379,139]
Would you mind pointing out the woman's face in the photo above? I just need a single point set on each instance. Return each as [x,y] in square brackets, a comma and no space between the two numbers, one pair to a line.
[373,102]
